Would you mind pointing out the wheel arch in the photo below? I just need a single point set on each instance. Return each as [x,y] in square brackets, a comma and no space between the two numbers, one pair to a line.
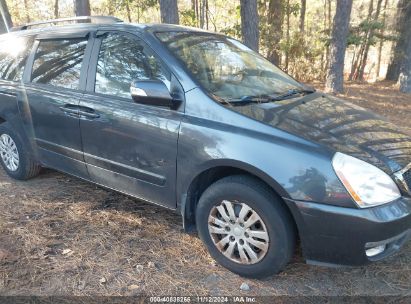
[14,121]
[212,173]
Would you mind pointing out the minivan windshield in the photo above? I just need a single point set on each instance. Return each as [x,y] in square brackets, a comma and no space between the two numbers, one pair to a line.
[228,69]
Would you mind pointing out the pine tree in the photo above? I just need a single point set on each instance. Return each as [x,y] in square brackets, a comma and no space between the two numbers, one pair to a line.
[249,23]
[82,8]
[405,63]
[403,26]
[335,77]
[169,11]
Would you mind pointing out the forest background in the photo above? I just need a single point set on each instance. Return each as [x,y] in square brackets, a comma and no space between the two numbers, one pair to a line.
[330,41]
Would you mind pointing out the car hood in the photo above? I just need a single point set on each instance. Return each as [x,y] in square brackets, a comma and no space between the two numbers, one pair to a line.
[337,125]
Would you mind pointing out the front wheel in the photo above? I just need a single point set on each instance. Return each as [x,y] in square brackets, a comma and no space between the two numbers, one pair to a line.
[245,227]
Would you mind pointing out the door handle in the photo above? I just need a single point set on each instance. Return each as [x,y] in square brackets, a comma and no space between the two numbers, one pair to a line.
[70,109]
[88,112]
[92,115]
[79,111]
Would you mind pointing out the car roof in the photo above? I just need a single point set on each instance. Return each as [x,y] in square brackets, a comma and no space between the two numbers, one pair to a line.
[92,27]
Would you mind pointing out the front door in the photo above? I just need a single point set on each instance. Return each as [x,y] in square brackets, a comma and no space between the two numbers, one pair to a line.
[127,146]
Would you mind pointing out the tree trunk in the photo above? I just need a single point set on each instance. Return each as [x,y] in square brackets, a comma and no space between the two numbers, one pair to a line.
[405,65]
[206,14]
[405,74]
[82,8]
[5,22]
[381,43]
[327,27]
[275,18]
[368,43]
[249,23]
[403,28]
[169,11]
[128,10]
[355,71]
[56,9]
[356,62]
[302,15]
[196,12]
[287,37]
[364,44]
[111,8]
[202,13]
[335,77]
[27,9]
[138,14]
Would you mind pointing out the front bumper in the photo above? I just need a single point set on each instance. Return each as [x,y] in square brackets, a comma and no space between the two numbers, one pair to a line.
[339,236]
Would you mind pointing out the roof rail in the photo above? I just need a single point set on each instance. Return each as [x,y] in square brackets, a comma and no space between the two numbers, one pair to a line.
[80,19]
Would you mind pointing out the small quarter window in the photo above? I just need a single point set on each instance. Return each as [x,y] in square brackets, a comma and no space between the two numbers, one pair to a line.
[122,60]
[58,62]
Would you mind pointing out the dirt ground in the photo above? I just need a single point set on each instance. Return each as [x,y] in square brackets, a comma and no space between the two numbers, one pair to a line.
[62,236]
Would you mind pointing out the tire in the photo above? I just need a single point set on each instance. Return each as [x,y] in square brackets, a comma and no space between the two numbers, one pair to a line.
[274,220]
[27,167]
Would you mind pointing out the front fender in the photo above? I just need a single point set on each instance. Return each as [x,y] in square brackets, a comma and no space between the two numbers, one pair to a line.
[294,170]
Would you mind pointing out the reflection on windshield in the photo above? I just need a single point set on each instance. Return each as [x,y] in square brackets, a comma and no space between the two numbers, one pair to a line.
[225,67]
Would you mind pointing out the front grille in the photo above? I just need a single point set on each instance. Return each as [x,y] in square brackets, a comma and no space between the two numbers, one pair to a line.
[407,179]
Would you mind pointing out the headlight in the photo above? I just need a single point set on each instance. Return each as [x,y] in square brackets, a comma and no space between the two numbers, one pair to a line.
[368,185]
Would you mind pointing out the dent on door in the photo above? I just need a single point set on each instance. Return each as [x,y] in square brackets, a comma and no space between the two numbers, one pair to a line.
[132,148]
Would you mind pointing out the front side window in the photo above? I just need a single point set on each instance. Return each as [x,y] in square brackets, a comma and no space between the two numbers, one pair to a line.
[13,54]
[58,62]
[123,60]
[225,67]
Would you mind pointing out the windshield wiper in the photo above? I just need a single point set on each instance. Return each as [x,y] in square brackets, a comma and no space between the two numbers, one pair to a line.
[269,98]
[249,99]
[291,93]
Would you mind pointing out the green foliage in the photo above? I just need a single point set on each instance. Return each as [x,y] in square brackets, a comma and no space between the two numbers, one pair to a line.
[359,34]
[304,56]
[137,9]
[307,55]
[354,39]
[368,25]
[188,17]
[235,29]
[141,4]
[293,8]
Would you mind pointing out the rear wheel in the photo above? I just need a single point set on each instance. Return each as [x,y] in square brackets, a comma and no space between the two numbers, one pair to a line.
[245,227]
[14,156]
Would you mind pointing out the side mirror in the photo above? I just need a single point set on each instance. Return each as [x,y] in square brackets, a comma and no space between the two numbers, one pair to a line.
[152,92]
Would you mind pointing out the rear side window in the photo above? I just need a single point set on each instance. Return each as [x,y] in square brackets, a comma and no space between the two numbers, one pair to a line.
[13,54]
[58,62]
[123,59]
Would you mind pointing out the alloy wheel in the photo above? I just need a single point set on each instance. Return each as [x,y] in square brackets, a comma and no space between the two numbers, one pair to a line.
[9,153]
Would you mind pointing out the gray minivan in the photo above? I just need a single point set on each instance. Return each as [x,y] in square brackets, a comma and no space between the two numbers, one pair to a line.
[253,160]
